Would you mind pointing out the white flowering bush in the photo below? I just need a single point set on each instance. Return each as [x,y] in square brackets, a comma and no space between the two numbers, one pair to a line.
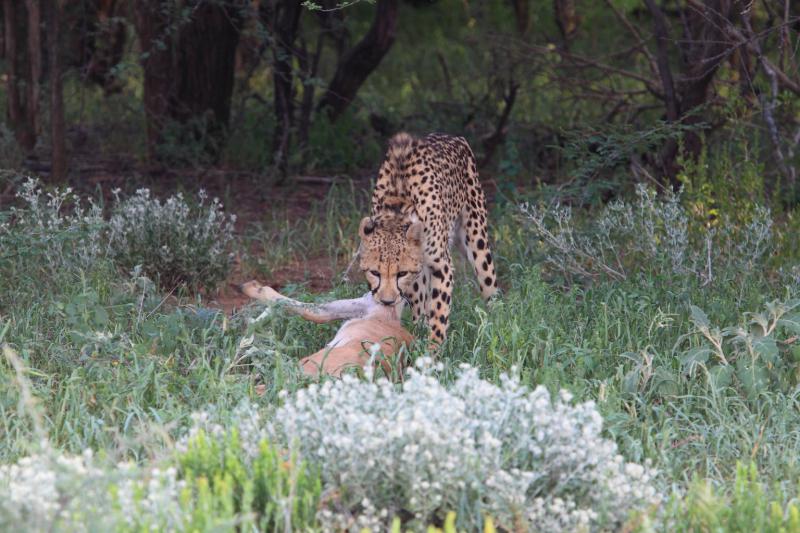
[173,241]
[51,230]
[213,485]
[655,235]
[521,456]
[51,491]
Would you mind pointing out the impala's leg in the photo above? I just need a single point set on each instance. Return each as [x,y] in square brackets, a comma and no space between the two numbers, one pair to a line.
[319,313]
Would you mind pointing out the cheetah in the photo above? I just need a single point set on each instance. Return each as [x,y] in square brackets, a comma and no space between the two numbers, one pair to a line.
[434,180]
[374,319]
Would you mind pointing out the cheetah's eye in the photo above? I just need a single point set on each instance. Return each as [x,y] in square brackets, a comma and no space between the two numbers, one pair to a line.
[401,274]
[375,273]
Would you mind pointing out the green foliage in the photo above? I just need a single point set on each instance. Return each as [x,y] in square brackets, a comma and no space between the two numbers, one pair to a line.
[600,151]
[761,356]
[344,145]
[266,491]
[11,155]
[747,508]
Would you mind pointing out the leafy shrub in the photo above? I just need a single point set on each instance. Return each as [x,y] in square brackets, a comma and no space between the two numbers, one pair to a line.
[656,236]
[747,509]
[280,494]
[521,457]
[43,491]
[173,241]
[51,233]
[217,486]
[760,356]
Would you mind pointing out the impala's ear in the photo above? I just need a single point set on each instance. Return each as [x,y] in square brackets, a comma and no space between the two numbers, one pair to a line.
[367,226]
[414,233]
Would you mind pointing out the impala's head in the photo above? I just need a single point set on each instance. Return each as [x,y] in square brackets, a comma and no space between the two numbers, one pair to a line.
[390,256]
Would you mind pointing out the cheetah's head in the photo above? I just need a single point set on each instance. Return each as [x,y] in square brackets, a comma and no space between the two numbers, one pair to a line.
[391,256]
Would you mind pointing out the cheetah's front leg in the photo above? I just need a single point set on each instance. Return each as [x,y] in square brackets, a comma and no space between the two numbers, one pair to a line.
[440,297]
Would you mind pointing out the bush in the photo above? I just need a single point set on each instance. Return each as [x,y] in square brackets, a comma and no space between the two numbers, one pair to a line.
[174,242]
[747,509]
[757,357]
[653,236]
[217,486]
[525,459]
[50,237]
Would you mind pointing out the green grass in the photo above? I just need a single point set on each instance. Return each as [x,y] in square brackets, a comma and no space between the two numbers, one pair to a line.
[115,366]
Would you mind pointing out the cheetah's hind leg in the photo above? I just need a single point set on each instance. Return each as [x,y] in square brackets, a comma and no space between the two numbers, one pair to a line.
[472,237]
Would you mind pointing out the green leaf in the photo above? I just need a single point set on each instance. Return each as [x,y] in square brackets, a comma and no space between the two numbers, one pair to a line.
[699,317]
[720,376]
[767,349]
[100,316]
[791,322]
[752,377]
[665,383]
[630,384]
[694,356]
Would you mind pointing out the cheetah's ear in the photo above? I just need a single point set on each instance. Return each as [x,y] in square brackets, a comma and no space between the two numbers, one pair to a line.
[414,233]
[367,226]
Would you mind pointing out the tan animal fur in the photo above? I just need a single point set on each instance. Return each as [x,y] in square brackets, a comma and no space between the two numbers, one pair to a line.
[369,323]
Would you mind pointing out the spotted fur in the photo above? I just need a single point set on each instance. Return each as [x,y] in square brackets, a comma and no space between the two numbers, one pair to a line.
[435,180]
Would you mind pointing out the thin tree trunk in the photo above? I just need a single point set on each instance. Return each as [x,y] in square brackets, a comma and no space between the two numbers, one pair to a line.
[57,128]
[310,65]
[282,18]
[35,64]
[497,137]
[157,48]
[15,113]
[703,49]
[20,68]
[361,60]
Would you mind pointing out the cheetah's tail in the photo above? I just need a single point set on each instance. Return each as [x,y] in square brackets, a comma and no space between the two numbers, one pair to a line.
[399,147]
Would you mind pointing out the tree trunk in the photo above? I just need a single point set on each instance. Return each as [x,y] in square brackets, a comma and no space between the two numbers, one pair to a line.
[35,64]
[205,73]
[361,60]
[282,18]
[24,69]
[309,64]
[157,61]
[188,71]
[57,129]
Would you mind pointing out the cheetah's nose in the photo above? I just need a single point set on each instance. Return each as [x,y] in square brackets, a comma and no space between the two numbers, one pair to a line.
[388,302]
